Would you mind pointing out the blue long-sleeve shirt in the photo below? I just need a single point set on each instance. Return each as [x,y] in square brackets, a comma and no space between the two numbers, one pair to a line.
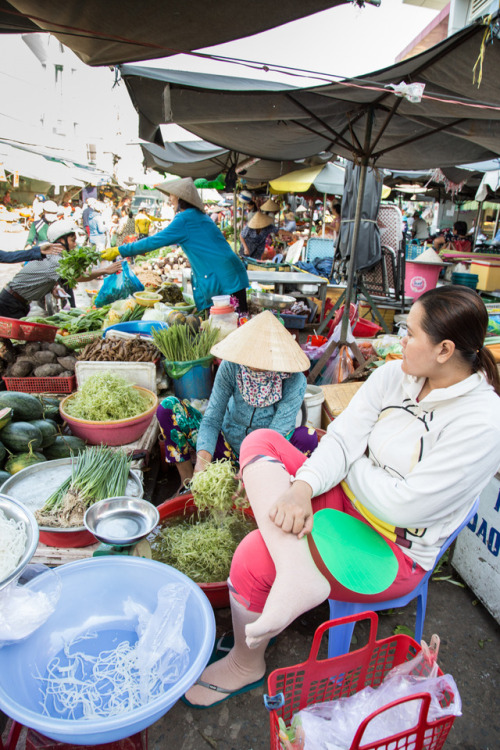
[229,412]
[216,269]
[21,256]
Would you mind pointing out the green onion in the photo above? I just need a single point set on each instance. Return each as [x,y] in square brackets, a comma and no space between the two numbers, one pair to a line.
[180,344]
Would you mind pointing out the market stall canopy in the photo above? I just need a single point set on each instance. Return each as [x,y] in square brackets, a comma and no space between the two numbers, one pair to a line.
[201,159]
[454,122]
[37,164]
[328,178]
[105,33]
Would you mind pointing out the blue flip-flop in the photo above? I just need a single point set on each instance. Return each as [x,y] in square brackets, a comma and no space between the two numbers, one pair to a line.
[228,693]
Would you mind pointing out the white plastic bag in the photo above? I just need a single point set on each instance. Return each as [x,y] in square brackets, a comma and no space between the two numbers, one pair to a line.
[22,610]
[333,724]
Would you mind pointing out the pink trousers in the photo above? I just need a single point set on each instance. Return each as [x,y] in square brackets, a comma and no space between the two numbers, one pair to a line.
[252,569]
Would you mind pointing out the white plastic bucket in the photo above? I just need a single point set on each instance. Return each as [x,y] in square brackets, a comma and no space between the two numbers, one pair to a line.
[313,399]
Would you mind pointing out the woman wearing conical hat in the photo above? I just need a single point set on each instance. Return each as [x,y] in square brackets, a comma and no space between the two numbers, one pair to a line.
[260,383]
[215,268]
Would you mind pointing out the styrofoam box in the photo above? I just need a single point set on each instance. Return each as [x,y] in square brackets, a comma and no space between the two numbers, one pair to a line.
[137,373]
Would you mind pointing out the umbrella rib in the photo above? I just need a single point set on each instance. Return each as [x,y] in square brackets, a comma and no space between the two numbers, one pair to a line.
[315,132]
[319,120]
[418,137]
[386,122]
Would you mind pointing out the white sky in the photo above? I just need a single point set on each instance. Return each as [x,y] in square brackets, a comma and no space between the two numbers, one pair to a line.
[344,41]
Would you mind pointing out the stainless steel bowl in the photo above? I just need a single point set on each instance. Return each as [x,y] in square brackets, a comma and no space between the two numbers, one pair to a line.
[272,301]
[121,520]
[16,510]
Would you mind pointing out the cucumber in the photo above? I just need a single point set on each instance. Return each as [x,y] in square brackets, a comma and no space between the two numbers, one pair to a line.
[49,431]
[23,405]
[64,446]
[21,461]
[4,475]
[18,437]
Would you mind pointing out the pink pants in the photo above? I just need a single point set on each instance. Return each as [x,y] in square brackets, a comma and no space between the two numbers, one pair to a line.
[252,569]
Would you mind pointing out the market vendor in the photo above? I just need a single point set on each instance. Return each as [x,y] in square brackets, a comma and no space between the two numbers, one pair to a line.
[259,383]
[40,277]
[39,227]
[406,459]
[216,269]
[254,235]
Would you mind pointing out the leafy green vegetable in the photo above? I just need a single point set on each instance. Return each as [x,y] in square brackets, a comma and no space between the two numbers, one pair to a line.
[75,263]
[105,397]
[213,489]
[180,344]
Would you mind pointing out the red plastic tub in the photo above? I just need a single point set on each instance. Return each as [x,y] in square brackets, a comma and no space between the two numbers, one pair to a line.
[22,330]
[366,329]
[113,432]
[218,592]
[76,538]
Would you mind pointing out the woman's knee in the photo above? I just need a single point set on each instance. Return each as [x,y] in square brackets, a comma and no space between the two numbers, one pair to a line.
[262,442]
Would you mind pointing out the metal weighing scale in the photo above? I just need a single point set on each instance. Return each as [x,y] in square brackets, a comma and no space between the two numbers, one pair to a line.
[122,524]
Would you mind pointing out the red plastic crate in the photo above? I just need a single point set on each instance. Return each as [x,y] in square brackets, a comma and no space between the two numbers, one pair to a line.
[317,681]
[41,385]
[22,330]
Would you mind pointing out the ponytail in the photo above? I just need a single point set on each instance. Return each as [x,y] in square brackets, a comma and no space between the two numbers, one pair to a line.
[486,362]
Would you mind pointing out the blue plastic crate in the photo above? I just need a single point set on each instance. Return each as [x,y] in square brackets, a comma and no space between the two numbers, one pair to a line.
[294,321]
[413,250]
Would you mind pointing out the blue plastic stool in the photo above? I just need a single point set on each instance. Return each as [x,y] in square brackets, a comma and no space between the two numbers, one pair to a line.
[339,639]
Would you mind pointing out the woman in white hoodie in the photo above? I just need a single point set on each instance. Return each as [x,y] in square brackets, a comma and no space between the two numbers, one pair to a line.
[403,463]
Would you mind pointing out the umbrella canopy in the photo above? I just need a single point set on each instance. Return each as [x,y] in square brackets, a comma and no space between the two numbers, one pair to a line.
[455,122]
[105,33]
[328,178]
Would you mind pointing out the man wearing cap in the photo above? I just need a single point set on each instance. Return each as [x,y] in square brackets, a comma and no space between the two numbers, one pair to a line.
[38,229]
[215,268]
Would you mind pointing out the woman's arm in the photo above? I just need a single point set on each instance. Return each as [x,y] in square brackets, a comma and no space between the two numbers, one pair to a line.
[246,251]
[102,271]
[285,416]
[211,424]
[174,234]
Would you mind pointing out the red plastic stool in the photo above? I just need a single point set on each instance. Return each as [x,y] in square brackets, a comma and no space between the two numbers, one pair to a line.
[36,741]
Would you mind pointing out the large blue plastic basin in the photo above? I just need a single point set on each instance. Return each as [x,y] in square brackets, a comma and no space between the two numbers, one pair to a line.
[93,598]
[137,326]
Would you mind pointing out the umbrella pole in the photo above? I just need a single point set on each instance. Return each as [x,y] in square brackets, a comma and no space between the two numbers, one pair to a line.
[235,220]
[324,211]
[352,259]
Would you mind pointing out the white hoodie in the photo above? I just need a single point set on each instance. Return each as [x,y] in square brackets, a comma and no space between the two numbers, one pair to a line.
[413,469]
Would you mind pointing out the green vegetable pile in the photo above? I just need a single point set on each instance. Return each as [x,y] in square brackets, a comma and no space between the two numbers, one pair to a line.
[180,344]
[75,263]
[105,397]
[97,473]
[202,546]
[75,320]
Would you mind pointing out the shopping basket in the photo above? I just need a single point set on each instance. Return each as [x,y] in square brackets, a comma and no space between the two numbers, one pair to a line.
[316,681]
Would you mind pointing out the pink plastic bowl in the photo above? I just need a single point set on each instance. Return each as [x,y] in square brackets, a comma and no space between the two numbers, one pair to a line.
[114,432]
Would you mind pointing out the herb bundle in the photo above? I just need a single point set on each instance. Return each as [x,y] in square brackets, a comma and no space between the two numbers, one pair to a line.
[180,344]
[76,263]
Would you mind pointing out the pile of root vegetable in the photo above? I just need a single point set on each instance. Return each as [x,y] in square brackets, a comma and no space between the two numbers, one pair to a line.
[120,350]
[201,541]
[36,359]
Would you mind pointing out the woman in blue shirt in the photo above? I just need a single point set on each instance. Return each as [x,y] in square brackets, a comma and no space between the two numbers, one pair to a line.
[215,268]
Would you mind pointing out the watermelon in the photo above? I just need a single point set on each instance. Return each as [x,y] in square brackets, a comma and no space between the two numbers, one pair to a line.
[18,437]
[50,406]
[64,446]
[3,453]
[20,461]
[49,431]
[4,475]
[23,405]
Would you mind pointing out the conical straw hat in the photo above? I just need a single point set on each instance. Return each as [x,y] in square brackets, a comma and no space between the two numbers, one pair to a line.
[260,220]
[183,188]
[265,344]
[270,206]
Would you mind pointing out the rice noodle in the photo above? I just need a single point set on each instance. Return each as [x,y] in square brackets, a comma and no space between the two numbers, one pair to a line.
[79,685]
[13,538]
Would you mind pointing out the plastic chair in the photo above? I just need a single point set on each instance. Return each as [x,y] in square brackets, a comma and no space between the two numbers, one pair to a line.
[339,639]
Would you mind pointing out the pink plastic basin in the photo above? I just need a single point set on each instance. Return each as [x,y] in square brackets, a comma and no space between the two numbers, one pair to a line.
[420,277]
[114,432]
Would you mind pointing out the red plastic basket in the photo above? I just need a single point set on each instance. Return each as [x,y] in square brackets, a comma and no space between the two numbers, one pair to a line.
[317,681]
[22,330]
[41,385]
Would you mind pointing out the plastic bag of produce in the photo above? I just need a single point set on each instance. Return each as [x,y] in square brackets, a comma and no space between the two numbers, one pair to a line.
[118,286]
